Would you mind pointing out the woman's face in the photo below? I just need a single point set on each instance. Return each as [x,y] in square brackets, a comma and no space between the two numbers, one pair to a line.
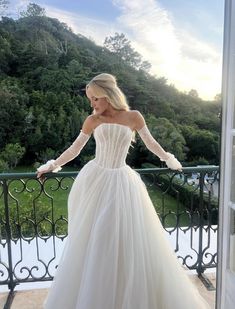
[98,104]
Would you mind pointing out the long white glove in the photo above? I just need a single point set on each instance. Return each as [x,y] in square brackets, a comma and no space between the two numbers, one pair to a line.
[156,148]
[173,163]
[69,154]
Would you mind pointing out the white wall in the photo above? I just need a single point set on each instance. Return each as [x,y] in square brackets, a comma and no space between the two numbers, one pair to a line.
[225,275]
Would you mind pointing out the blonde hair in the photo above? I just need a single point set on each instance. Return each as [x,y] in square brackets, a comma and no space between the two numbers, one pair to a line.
[105,85]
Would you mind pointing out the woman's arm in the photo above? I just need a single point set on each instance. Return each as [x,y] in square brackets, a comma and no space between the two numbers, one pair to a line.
[153,145]
[70,153]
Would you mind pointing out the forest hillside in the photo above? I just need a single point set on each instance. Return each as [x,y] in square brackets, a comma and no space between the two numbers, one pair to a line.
[44,68]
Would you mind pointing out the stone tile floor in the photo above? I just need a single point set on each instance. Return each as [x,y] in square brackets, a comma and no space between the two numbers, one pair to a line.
[33,299]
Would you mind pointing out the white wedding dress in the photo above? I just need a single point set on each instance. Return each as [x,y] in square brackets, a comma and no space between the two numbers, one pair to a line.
[117,255]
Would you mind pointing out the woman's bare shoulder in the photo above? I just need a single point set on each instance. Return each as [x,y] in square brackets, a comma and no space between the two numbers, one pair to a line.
[137,118]
[89,124]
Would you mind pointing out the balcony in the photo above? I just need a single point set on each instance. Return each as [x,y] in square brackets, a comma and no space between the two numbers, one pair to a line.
[33,227]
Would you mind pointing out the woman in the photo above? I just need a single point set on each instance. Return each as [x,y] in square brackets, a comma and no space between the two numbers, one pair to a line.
[116,255]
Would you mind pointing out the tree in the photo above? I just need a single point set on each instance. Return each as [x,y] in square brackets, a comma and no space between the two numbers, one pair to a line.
[168,137]
[3,165]
[117,44]
[5,54]
[193,93]
[13,112]
[121,46]
[201,143]
[33,9]
[145,66]
[11,154]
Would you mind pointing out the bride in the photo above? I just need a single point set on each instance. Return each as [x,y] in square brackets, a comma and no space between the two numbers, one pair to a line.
[117,255]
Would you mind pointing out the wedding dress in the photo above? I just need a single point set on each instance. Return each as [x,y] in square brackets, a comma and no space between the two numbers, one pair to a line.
[117,255]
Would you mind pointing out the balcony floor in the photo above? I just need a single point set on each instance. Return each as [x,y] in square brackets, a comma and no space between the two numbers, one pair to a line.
[33,299]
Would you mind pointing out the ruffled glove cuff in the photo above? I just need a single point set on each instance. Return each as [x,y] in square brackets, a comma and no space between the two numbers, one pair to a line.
[50,165]
[172,162]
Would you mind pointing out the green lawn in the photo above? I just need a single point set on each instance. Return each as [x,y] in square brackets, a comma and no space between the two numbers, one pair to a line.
[167,205]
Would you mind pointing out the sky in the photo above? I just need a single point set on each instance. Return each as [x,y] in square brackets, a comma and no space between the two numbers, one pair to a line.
[182,39]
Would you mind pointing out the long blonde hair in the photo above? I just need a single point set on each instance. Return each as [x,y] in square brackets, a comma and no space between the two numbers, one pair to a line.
[105,85]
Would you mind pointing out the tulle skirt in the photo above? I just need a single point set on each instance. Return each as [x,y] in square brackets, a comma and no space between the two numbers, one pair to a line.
[117,255]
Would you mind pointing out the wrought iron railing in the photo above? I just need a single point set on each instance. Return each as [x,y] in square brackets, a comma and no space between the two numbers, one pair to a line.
[33,219]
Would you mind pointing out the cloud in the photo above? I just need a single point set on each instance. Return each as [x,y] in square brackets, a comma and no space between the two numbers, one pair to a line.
[17,6]
[174,53]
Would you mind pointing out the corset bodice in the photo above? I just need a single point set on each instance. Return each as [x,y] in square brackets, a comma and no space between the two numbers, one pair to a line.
[112,144]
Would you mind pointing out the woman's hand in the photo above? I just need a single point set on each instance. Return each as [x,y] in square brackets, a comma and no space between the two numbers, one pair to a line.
[173,163]
[46,168]
[41,173]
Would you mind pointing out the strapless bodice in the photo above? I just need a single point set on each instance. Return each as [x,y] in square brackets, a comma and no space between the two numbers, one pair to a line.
[112,143]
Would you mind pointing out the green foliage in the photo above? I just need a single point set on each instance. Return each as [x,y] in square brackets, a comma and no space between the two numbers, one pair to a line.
[193,93]
[13,111]
[33,9]
[11,154]
[44,68]
[201,144]
[167,135]
[121,46]
[3,165]
[5,54]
